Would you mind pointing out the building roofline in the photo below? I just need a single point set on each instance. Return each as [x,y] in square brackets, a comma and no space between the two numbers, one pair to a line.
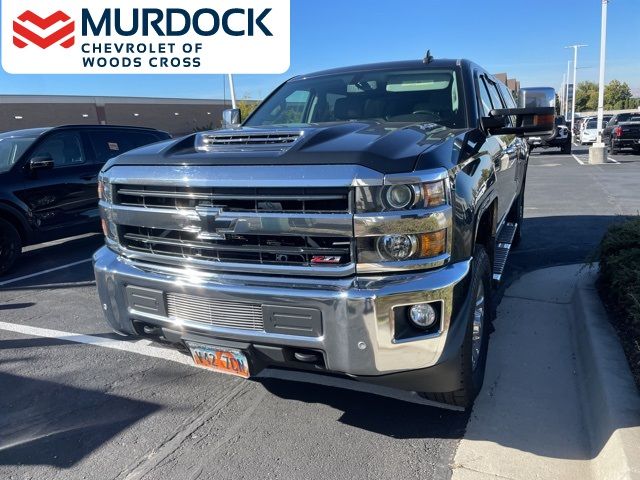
[10,98]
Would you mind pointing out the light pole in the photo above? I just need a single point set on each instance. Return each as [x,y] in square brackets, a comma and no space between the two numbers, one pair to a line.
[232,88]
[566,94]
[562,89]
[598,152]
[603,44]
[575,68]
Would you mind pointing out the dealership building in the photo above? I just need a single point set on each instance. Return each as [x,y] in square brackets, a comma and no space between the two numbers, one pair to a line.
[174,115]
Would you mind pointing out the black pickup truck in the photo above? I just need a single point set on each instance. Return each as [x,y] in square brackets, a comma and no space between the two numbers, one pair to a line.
[354,224]
[623,131]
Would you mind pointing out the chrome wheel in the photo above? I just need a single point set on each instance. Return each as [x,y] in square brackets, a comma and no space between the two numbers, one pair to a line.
[478,325]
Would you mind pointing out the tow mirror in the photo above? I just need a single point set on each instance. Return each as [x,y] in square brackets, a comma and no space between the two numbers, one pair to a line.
[231,118]
[535,115]
[43,162]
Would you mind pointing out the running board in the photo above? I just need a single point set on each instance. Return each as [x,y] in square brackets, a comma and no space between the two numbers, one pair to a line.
[503,245]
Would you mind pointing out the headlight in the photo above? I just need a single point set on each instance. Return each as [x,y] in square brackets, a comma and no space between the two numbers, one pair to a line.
[104,190]
[398,197]
[401,247]
[410,196]
[397,247]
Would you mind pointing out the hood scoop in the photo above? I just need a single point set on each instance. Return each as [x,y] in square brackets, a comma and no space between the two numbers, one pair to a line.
[241,141]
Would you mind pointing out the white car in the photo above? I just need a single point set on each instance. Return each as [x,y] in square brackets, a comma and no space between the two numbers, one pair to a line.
[589,131]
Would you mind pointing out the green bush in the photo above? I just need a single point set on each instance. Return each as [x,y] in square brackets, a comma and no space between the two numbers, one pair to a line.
[619,257]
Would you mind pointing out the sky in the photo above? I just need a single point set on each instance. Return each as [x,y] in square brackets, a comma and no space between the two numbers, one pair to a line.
[524,38]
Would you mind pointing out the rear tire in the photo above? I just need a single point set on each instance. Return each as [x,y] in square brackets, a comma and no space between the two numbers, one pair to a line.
[612,148]
[473,354]
[10,245]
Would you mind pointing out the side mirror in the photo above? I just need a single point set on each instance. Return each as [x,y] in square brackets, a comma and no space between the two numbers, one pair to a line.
[231,118]
[44,162]
[529,122]
[532,97]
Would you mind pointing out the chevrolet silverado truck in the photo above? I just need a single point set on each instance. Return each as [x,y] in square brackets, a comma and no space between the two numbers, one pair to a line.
[353,225]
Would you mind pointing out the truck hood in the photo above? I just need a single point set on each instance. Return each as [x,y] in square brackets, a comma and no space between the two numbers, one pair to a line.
[387,148]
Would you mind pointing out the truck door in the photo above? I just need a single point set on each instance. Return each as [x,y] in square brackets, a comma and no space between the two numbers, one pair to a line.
[504,149]
[63,197]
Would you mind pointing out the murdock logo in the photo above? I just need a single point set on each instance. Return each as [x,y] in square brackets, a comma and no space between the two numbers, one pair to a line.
[153,36]
[29,28]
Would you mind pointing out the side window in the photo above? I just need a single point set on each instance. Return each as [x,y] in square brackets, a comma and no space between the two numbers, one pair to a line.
[485,99]
[496,101]
[65,148]
[111,143]
[508,100]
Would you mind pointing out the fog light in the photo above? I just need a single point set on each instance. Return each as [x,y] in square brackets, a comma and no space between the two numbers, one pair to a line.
[422,315]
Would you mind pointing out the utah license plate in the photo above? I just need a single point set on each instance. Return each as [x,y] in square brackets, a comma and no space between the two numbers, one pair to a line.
[223,360]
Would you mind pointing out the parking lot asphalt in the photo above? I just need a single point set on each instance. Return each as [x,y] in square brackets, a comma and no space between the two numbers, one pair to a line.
[79,410]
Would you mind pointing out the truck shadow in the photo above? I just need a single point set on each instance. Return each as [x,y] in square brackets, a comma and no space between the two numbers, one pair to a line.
[375,413]
[48,423]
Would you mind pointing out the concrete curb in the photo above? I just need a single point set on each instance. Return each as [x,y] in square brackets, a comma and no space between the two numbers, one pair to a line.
[611,406]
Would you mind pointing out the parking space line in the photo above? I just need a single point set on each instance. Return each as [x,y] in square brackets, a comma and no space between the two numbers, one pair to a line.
[43,272]
[577,159]
[613,160]
[146,348]
[141,347]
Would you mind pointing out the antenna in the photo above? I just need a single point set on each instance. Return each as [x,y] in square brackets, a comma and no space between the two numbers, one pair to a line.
[428,58]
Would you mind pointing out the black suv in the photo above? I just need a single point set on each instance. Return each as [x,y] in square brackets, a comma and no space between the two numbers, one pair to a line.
[48,181]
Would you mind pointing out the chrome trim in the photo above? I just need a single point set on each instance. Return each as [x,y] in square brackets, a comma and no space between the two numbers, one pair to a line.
[353,310]
[244,175]
[402,222]
[403,266]
[241,315]
[188,220]
[422,176]
[248,268]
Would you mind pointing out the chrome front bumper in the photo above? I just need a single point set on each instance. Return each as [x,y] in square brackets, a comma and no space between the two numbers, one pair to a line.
[357,324]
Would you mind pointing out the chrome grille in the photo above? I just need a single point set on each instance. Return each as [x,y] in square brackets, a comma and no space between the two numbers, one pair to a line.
[274,200]
[296,250]
[218,313]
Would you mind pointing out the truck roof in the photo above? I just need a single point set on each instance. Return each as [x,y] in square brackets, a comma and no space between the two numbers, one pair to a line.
[400,65]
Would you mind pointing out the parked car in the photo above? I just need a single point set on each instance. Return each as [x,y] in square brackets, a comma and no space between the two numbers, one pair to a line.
[588,131]
[49,177]
[579,121]
[560,139]
[354,224]
[623,131]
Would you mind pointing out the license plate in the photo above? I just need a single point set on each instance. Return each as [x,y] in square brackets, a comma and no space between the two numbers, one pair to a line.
[223,360]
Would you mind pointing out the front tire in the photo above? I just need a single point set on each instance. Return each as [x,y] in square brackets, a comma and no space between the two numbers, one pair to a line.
[473,354]
[566,148]
[10,245]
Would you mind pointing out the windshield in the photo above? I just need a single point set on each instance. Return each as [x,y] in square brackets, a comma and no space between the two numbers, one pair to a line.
[409,96]
[11,149]
[591,124]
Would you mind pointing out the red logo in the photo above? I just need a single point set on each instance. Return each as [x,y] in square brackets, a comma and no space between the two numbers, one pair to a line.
[24,35]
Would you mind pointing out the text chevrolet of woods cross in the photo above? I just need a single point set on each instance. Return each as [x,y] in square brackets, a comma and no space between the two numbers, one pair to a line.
[354,224]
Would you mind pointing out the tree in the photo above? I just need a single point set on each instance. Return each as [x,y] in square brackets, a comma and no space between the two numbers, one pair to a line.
[617,95]
[246,106]
[587,97]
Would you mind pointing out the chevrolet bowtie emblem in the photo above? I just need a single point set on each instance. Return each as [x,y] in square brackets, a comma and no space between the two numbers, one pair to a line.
[212,227]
